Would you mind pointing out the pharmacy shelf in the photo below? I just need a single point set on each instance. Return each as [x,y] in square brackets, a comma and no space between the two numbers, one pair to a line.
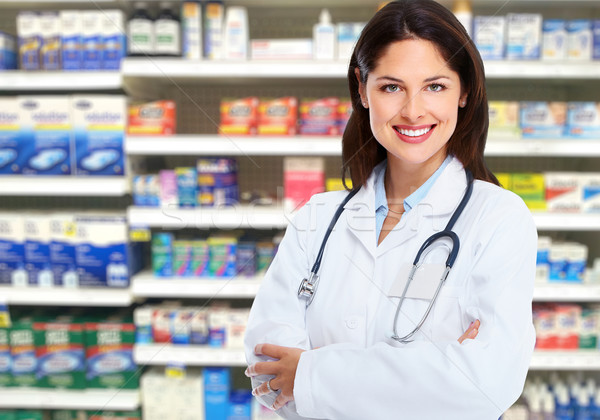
[146,285]
[236,217]
[115,186]
[565,360]
[37,81]
[567,221]
[224,145]
[61,296]
[266,217]
[190,355]
[88,399]
[566,293]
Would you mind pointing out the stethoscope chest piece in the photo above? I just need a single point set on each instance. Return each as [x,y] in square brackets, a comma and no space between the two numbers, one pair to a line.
[308,288]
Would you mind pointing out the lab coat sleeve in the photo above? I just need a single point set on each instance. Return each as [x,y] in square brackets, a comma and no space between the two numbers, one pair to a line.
[277,315]
[477,380]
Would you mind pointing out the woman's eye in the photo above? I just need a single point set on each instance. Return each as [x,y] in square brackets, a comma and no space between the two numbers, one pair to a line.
[391,88]
[436,87]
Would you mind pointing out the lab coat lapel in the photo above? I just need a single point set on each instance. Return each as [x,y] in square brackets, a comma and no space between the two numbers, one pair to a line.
[360,216]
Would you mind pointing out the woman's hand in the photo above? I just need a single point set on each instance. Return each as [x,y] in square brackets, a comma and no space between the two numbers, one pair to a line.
[284,370]
[471,332]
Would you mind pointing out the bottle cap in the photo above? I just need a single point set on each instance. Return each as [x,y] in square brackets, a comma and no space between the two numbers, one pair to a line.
[325,17]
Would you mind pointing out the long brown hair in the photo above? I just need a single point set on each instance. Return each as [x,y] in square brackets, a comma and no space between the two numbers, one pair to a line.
[426,20]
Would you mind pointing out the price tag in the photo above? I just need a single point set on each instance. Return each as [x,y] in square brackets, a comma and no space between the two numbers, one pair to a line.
[140,234]
[175,370]
[4,316]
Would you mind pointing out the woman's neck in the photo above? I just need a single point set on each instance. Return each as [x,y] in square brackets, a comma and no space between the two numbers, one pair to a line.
[402,179]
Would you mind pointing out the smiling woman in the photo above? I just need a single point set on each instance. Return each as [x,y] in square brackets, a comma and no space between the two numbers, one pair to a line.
[447,334]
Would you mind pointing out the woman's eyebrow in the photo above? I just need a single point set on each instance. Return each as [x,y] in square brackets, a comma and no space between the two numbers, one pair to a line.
[429,79]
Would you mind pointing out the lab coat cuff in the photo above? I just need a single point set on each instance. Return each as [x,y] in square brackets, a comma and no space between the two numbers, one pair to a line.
[305,405]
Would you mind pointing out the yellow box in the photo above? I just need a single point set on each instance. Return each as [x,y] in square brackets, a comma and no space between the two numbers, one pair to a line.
[504,180]
[531,188]
[504,120]
[336,184]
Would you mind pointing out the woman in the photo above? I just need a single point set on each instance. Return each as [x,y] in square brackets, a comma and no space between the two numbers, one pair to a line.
[419,125]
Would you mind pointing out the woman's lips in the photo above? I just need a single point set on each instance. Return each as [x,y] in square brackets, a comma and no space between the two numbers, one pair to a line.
[414,134]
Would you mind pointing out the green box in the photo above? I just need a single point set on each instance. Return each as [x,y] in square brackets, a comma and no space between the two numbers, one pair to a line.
[68,415]
[22,351]
[60,353]
[8,415]
[109,351]
[30,415]
[5,359]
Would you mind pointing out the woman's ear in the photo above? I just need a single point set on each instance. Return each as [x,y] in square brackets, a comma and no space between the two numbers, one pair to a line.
[462,102]
[361,89]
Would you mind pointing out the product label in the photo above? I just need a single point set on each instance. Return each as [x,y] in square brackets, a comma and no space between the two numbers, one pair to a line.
[140,36]
[167,37]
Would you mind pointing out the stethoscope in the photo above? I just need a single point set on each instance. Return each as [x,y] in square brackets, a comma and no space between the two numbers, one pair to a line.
[308,287]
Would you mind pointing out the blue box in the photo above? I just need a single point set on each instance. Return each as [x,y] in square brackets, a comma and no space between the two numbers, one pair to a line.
[554,39]
[71,39]
[583,120]
[240,405]
[92,40]
[8,52]
[543,119]
[187,186]
[12,250]
[114,40]
[11,146]
[217,386]
[162,254]
[50,32]
[62,250]
[30,40]
[579,32]
[596,42]
[37,250]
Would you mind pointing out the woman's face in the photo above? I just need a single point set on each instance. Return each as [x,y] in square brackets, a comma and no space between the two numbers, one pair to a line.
[413,99]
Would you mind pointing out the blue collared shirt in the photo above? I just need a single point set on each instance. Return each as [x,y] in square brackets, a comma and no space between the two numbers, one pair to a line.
[381,206]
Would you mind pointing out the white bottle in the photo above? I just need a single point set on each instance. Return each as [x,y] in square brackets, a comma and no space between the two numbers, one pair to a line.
[235,46]
[463,12]
[324,37]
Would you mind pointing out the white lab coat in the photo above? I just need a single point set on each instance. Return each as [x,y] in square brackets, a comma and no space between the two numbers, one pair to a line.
[356,371]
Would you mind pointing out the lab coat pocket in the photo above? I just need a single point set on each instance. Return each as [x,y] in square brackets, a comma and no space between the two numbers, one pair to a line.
[447,315]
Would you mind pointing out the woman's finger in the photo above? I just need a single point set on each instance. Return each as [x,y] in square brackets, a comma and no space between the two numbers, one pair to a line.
[270,350]
[471,332]
[261,368]
[263,388]
[281,400]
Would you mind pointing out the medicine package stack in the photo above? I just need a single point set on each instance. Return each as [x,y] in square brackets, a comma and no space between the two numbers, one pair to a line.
[71,40]
[62,135]
[66,250]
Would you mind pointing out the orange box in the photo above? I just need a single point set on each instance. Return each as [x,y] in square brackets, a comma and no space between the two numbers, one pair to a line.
[153,118]
[278,116]
[319,117]
[239,116]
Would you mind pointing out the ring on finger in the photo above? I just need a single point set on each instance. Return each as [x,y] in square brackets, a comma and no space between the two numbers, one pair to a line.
[269,385]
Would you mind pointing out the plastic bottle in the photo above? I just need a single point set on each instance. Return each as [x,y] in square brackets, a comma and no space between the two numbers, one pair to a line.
[235,45]
[167,30]
[596,406]
[584,411]
[463,12]
[213,30]
[548,407]
[324,37]
[191,22]
[535,406]
[140,31]
[564,410]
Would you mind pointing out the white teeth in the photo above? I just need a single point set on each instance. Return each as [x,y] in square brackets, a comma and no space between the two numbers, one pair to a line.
[414,133]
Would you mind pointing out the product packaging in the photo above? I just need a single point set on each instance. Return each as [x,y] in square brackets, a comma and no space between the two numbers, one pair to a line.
[217,182]
[239,116]
[71,32]
[50,34]
[319,117]
[200,258]
[182,258]
[579,39]
[142,318]
[217,387]
[162,254]
[543,119]
[213,29]
[278,116]
[236,36]
[246,259]
[344,112]
[5,358]
[181,326]
[62,249]
[530,187]
[152,190]
[554,40]
[92,39]
[187,186]
[22,351]
[12,150]
[199,326]
[168,188]
[281,49]
[302,177]
[504,120]
[191,24]
[240,405]
[568,319]
[153,118]
[596,40]
[222,251]
[30,40]
[590,191]
[488,35]
[37,250]
[114,40]
[324,37]
[563,192]
[45,135]
[12,250]
[99,128]
[167,32]
[347,35]
[8,52]
[524,36]
[542,264]
[583,120]
[140,31]
[505,180]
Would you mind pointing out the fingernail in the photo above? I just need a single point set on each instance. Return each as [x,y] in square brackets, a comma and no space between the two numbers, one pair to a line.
[258,349]
[247,372]
[471,324]
[254,392]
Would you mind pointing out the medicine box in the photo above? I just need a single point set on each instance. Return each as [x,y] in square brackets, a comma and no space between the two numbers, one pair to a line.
[162,254]
[530,187]
[71,31]
[278,116]
[554,39]
[543,119]
[60,353]
[12,250]
[563,192]
[22,351]
[113,39]
[168,188]
[187,186]
[62,249]
[596,39]
[239,116]
[217,387]
[217,182]
[302,178]
[583,120]
[182,258]
[524,36]
[590,189]
[29,40]
[191,24]
[8,51]
[45,136]
[11,146]
[5,359]
[99,128]
[489,34]
[319,116]
[152,118]
[579,32]
[109,354]
[51,39]
[222,253]
[347,35]
[92,39]
[200,258]
[281,49]
[504,120]
[37,250]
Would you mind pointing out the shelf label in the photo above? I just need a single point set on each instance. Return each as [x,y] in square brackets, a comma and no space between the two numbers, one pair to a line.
[140,234]
[175,370]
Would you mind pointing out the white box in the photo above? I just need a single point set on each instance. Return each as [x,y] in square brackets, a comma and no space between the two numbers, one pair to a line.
[191,27]
[583,120]
[37,250]
[63,243]
[524,36]
[113,40]
[29,40]
[99,130]
[563,192]
[281,49]
[71,28]
[580,39]
[347,35]
[45,135]
[12,250]
[543,119]
[590,188]
[554,40]
[489,33]
[50,33]
[11,154]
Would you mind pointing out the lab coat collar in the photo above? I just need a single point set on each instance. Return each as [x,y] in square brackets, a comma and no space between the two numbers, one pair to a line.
[441,200]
